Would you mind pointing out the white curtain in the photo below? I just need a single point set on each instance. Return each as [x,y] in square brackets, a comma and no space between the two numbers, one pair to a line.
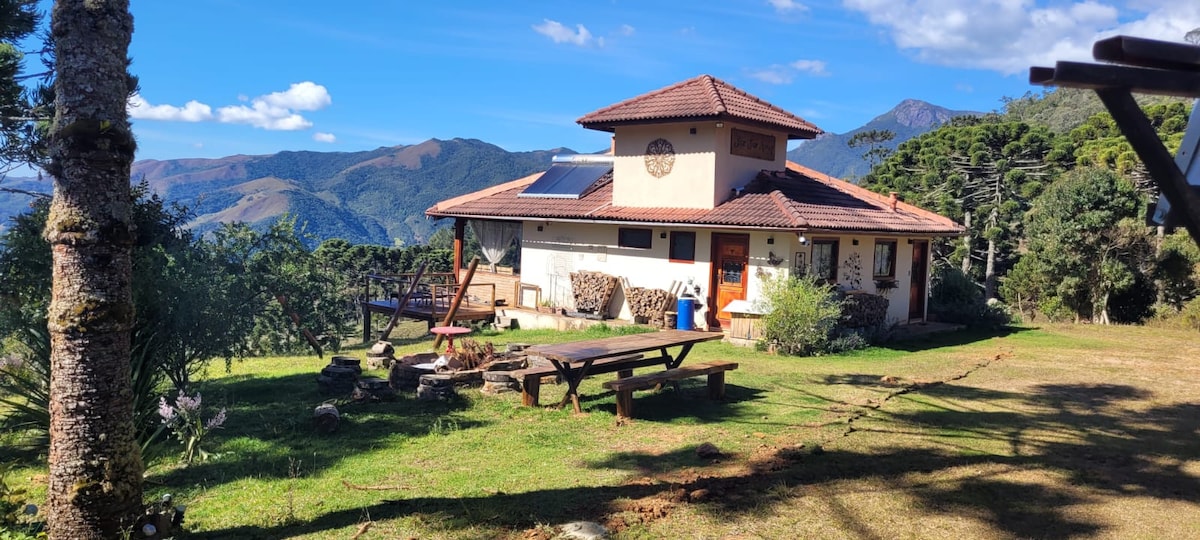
[494,238]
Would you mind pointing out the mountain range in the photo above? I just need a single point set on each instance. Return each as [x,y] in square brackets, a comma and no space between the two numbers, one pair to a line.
[830,153]
[379,196]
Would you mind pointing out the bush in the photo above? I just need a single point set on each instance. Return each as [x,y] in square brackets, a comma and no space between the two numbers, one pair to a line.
[800,314]
[956,298]
[1189,316]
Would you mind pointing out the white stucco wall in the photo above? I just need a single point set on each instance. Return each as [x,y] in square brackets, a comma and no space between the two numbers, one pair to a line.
[704,171]
[690,182]
[897,297]
[550,255]
[737,171]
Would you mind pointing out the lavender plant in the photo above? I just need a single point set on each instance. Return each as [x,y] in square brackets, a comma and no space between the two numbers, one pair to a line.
[185,420]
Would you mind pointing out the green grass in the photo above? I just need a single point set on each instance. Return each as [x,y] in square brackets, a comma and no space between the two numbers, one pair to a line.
[1064,431]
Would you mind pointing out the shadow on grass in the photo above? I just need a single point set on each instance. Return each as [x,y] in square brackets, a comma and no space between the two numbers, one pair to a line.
[1095,435]
[269,427]
[687,402]
[950,339]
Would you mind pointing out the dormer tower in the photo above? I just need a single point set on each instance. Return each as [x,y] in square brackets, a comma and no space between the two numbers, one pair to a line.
[693,144]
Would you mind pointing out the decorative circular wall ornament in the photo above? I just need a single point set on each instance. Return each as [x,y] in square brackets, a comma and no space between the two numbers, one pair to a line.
[660,157]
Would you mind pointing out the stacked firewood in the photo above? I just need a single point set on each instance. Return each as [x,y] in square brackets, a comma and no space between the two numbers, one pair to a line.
[593,291]
[650,304]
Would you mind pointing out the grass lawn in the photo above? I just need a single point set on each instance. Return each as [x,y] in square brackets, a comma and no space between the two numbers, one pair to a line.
[1051,432]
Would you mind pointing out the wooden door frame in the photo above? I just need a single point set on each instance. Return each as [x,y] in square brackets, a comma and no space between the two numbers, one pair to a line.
[924,282]
[714,320]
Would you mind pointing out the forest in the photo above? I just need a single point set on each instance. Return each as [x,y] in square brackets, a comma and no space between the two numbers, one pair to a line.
[1054,201]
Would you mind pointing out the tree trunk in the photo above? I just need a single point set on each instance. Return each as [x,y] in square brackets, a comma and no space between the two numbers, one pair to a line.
[989,272]
[966,262]
[95,486]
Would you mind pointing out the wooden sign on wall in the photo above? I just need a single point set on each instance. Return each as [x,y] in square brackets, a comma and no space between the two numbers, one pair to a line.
[751,144]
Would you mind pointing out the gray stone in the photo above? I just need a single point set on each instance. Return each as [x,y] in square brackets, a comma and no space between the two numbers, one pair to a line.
[498,376]
[584,530]
[382,348]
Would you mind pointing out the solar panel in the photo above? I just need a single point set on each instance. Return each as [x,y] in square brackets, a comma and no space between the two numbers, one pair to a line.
[568,179]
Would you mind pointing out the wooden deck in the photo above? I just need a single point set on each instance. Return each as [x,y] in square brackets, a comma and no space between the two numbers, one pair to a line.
[431,303]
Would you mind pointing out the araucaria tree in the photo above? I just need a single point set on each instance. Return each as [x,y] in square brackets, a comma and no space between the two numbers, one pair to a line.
[95,485]
[982,172]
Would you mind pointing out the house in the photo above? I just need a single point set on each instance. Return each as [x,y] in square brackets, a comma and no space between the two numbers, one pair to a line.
[697,189]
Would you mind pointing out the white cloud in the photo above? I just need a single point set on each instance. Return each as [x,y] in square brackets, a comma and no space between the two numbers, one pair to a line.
[274,111]
[304,96]
[192,111]
[774,74]
[559,33]
[787,6]
[324,137]
[1009,36]
[626,30]
[811,67]
[784,74]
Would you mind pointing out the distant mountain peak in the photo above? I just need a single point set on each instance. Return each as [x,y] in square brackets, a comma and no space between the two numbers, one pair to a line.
[915,113]
[830,153]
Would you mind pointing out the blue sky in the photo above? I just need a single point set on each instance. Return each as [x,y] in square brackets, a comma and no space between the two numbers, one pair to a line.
[224,77]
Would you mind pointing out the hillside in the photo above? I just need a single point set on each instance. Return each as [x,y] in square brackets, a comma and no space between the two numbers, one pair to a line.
[830,154]
[372,197]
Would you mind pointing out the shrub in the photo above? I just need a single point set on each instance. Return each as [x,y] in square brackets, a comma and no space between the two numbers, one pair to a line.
[800,314]
[956,298]
[1189,316]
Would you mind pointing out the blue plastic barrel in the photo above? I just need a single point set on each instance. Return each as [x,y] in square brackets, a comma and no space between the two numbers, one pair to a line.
[686,314]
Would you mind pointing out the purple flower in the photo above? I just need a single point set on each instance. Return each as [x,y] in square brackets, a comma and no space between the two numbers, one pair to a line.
[216,421]
[165,411]
[188,404]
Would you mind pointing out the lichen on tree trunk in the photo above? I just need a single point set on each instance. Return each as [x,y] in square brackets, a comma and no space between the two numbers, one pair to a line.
[95,485]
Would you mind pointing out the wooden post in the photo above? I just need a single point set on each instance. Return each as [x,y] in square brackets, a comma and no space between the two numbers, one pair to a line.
[458,298]
[459,233]
[402,301]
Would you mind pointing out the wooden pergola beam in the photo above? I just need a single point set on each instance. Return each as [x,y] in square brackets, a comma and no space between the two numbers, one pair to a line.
[1151,67]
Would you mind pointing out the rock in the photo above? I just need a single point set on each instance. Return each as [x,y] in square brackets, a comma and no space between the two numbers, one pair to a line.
[498,376]
[379,361]
[698,495]
[584,530]
[382,348]
[516,347]
[707,451]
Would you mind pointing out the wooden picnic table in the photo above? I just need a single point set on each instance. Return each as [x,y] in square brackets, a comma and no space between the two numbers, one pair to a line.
[573,360]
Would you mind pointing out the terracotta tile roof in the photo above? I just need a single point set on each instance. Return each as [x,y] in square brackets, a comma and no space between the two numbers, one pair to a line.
[703,97]
[796,199]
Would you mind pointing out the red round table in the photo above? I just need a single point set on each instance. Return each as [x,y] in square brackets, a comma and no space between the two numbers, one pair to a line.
[450,332]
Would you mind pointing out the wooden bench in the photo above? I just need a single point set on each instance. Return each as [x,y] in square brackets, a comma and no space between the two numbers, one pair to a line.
[625,386]
[531,378]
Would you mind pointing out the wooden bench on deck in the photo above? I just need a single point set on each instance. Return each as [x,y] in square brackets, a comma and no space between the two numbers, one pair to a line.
[531,378]
[625,386]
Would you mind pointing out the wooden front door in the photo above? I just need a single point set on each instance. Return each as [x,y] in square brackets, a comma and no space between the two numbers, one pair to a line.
[920,275]
[731,259]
